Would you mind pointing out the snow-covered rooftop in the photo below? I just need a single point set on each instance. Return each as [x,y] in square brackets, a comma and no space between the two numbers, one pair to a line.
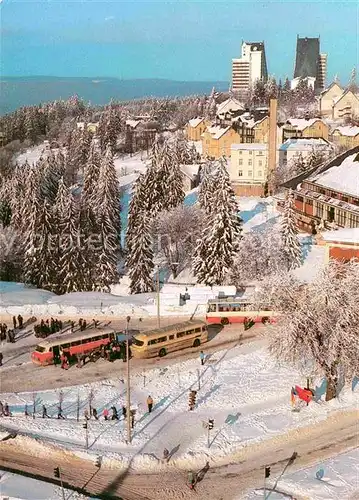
[195,122]
[132,123]
[346,235]
[230,104]
[216,131]
[249,146]
[343,178]
[190,170]
[304,144]
[347,131]
[302,123]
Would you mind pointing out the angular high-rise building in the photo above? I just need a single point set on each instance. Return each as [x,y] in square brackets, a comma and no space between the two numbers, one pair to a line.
[310,64]
[251,66]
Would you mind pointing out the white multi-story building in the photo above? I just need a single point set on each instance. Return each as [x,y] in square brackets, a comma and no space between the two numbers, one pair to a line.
[250,67]
[248,169]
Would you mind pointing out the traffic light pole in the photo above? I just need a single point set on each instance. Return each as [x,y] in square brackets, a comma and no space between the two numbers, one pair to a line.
[128,383]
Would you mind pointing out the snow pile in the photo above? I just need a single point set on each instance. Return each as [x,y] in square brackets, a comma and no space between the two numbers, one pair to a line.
[17,487]
[340,480]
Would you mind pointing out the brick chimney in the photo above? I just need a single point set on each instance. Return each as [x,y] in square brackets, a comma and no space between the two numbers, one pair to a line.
[272,136]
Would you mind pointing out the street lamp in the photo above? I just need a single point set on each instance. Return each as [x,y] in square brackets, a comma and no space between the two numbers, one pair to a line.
[128,381]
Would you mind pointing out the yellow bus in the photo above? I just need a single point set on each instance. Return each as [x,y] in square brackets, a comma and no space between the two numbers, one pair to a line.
[170,338]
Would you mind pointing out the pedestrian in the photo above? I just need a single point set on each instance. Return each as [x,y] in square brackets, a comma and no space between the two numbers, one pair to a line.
[59,413]
[21,321]
[1,409]
[27,414]
[114,413]
[84,324]
[105,414]
[166,455]
[44,412]
[1,358]
[149,404]
[132,419]
[14,321]
[191,480]
[86,415]
[94,413]
[202,357]
[7,412]
[124,412]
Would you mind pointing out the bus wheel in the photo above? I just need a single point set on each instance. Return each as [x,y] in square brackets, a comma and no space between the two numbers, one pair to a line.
[196,343]
[162,353]
[225,321]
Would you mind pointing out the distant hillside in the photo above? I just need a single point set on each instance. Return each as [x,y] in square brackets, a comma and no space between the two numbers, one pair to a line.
[25,91]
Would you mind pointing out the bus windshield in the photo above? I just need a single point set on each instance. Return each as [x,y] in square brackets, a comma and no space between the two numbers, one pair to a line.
[137,342]
[39,348]
[211,308]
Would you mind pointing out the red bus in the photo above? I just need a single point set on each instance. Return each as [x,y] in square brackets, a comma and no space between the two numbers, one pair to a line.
[236,310]
[72,344]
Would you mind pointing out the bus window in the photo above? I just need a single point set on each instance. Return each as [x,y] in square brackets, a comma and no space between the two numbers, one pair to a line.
[77,342]
[221,308]
[64,346]
[189,332]
[39,348]
[181,334]
[137,342]
[171,337]
[162,339]
[211,308]
[197,330]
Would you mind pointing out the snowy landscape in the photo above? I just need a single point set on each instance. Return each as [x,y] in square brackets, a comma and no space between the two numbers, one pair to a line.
[130,216]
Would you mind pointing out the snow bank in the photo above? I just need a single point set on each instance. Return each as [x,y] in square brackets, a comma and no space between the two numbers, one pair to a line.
[340,480]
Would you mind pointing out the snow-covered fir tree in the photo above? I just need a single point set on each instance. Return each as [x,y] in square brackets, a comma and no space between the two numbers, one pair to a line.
[291,245]
[140,258]
[215,252]
[70,261]
[207,187]
[108,220]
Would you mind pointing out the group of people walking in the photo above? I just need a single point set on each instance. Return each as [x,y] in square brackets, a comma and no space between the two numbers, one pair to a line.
[48,327]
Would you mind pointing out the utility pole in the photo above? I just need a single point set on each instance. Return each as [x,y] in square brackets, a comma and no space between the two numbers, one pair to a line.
[158,298]
[128,382]
[85,426]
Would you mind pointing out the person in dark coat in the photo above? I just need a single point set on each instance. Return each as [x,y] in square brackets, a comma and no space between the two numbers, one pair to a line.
[114,414]
[21,321]
[59,413]
[94,413]
[14,321]
[44,412]
[7,412]
[124,412]
[1,358]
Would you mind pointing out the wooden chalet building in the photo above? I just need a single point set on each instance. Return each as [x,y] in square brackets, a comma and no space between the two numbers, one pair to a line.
[328,195]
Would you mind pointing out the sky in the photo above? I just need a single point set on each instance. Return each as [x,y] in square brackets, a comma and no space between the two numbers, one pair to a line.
[175,39]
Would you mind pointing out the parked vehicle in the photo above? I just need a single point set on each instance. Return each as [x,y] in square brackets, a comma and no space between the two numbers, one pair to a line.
[170,338]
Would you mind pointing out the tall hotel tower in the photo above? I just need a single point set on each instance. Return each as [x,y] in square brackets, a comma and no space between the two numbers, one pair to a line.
[250,67]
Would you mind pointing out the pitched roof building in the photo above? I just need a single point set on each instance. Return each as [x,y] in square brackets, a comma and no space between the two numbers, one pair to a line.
[328,195]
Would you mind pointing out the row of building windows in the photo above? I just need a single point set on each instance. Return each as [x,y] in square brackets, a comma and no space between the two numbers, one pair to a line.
[259,153]
[249,173]
[249,162]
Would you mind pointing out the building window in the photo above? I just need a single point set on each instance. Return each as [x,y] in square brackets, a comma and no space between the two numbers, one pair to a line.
[240,173]
[319,210]
[250,173]
[240,152]
[240,161]
[249,162]
[259,173]
[250,152]
[260,153]
[299,198]
[341,218]
[259,163]
[344,198]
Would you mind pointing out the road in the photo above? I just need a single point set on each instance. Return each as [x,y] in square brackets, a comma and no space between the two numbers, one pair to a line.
[19,374]
[229,478]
